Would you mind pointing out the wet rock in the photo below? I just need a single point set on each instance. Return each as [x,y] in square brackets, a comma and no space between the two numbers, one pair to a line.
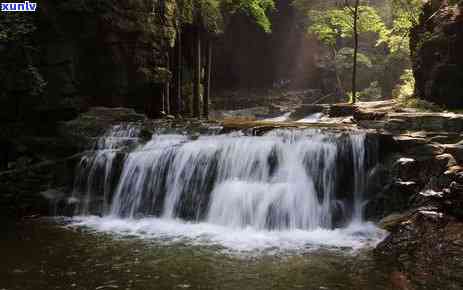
[408,143]
[28,191]
[454,173]
[391,221]
[400,281]
[456,150]
[426,150]
[445,138]
[427,198]
[446,159]
[91,125]
[341,110]
[426,245]
[304,110]
[440,122]
[394,198]
[362,115]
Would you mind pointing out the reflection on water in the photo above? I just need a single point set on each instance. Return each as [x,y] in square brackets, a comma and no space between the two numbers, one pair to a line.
[46,254]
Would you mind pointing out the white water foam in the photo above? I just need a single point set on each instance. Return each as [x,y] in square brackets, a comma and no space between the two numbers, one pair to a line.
[282,118]
[352,238]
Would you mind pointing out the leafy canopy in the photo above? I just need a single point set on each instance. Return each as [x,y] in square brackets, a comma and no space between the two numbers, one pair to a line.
[405,15]
[210,14]
[335,23]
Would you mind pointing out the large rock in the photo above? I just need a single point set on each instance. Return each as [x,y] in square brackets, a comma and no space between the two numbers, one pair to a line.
[20,189]
[81,132]
[394,198]
[433,122]
[446,125]
[436,44]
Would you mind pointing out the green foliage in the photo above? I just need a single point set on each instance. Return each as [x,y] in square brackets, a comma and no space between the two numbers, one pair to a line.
[206,13]
[256,9]
[406,88]
[372,93]
[384,28]
[404,94]
[332,24]
[16,27]
[344,59]
[210,14]
[405,14]
[16,69]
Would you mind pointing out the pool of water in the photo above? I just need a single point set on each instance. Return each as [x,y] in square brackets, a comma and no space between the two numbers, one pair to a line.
[63,254]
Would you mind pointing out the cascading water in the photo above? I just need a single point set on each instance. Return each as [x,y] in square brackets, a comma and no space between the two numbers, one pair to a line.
[286,181]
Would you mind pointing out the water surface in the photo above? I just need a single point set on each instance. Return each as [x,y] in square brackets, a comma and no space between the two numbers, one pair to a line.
[50,254]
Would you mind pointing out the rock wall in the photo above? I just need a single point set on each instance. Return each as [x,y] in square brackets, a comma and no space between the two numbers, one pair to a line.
[436,44]
[73,54]
[31,191]
[88,53]
[423,198]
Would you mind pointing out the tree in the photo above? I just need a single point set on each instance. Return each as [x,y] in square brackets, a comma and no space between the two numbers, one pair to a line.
[356,47]
[20,79]
[208,18]
[332,25]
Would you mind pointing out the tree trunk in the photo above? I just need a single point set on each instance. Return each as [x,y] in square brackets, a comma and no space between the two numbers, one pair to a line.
[178,75]
[207,82]
[197,76]
[176,84]
[341,92]
[167,88]
[356,46]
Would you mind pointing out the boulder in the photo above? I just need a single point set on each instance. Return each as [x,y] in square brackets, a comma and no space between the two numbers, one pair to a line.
[88,127]
[394,198]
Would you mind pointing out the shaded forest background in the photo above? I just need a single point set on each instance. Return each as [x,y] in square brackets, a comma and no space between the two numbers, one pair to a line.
[170,57]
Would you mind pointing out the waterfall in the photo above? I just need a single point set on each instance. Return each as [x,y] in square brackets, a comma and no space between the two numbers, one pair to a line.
[284,180]
[95,173]
[360,178]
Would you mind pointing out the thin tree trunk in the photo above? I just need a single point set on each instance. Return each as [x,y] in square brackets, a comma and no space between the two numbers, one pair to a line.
[163,99]
[176,93]
[340,91]
[167,88]
[197,76]
[207,82]
[356,46]
[173,83]
[178,85]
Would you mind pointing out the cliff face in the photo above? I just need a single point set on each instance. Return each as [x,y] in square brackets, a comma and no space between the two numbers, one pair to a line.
[106,52]
[437,45]
[73,54]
